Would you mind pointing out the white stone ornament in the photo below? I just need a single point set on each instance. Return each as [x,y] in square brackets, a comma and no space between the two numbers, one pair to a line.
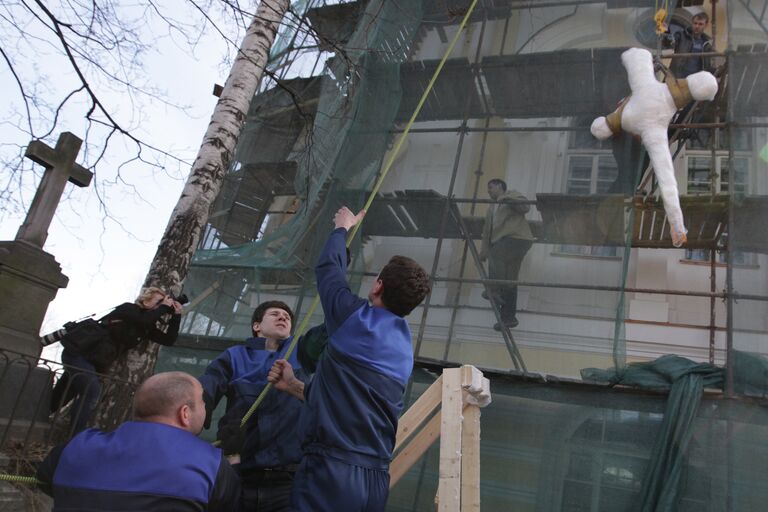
[647,113]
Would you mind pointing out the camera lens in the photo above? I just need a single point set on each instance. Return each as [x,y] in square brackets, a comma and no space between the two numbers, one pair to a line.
[53,337]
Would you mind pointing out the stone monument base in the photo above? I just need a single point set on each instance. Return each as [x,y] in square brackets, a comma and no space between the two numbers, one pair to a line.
[29,280]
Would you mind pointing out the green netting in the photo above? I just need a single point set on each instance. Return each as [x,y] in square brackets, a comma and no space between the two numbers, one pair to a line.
[316,140]
[515,101]
[747,168]
[570,447]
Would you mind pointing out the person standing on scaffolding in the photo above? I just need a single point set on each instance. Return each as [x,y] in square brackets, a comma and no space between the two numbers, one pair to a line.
[353,402]
[692,39]
[507,238]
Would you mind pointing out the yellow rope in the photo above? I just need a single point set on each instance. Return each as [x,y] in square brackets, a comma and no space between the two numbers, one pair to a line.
[388,165]
[21,479]
[371,196]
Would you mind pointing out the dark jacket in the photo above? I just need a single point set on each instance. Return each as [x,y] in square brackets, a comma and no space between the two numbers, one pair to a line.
[140,466]
[240,374]
[128,324]
[356,396]
[684,43]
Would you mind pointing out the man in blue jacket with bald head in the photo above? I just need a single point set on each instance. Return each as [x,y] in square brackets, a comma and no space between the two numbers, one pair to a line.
[352,405]
[155,463]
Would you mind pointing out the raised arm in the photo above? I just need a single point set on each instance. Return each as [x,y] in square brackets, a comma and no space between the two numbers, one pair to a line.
[215,382]
[331,272]
[145,320]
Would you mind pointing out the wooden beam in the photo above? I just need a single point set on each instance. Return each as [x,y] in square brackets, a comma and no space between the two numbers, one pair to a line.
[449,486]
[477,389]
[416,414]
[470,459]
[414,450]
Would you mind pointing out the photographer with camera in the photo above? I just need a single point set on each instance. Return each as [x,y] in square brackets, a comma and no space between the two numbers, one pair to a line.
[155,316]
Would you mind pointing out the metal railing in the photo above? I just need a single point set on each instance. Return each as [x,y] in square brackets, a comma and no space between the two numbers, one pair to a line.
[39,406]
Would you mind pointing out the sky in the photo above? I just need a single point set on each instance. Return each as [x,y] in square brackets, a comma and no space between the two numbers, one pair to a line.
[106,260]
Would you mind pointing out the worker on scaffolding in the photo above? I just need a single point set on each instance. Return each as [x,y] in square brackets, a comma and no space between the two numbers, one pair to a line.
[506,239]
[349,420]
[268,444]
[690,40]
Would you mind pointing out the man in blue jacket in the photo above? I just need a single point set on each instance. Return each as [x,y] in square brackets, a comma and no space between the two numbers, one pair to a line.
[268,445]
[349,419]
[154,463]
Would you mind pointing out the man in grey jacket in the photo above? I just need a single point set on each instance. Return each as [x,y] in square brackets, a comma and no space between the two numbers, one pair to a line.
[506,239]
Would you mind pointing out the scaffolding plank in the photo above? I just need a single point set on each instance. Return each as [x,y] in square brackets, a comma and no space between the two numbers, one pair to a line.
[453,88]
[705,218]
[556,84]
[246,196]
[334,24]
[581,220]
[415,213]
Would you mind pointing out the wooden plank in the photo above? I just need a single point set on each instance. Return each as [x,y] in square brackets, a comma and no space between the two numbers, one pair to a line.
[477,389]
[414,450]
[449,486]
[470,459]
[418,412]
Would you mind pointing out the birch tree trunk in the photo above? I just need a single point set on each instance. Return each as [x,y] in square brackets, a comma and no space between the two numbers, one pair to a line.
[174,253]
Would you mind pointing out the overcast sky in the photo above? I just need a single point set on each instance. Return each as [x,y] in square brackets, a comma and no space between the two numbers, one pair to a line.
[106,260]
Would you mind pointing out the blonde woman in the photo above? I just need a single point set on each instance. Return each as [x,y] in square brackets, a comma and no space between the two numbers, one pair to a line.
[155,316]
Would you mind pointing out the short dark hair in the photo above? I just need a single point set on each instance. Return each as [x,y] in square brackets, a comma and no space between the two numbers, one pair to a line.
[701,16]
[501,183]
[258,313]
[405,285]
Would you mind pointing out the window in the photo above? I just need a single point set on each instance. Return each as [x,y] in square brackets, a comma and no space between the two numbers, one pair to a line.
[739,258]
[591,174]
[607,460]
[590,171]
[730,178]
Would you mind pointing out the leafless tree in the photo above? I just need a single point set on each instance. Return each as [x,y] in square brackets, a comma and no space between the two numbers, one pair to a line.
[82,63]
[174,253]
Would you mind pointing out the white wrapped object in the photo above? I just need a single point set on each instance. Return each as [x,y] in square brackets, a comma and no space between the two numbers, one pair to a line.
[647,112]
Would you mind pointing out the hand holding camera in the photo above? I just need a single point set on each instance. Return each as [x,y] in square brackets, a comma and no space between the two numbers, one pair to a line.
[176,302]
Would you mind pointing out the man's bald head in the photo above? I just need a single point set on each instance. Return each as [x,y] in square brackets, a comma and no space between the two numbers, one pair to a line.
[173,398]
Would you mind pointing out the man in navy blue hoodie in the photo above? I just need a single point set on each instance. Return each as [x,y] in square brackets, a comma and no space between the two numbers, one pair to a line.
[269,445]
[349,419]
[154,463]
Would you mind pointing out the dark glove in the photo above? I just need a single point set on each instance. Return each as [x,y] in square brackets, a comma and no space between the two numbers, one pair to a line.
[232,438]
[209,407]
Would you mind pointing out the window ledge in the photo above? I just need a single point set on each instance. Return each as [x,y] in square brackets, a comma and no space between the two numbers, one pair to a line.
[717,264]
[585,256]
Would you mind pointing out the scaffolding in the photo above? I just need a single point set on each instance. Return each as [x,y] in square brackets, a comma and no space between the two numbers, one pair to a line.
[515,102]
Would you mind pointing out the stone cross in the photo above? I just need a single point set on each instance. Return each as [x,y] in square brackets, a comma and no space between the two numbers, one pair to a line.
[60,167]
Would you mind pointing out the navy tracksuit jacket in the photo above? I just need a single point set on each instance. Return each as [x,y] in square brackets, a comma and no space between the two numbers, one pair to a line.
[141,466]
[349,419]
